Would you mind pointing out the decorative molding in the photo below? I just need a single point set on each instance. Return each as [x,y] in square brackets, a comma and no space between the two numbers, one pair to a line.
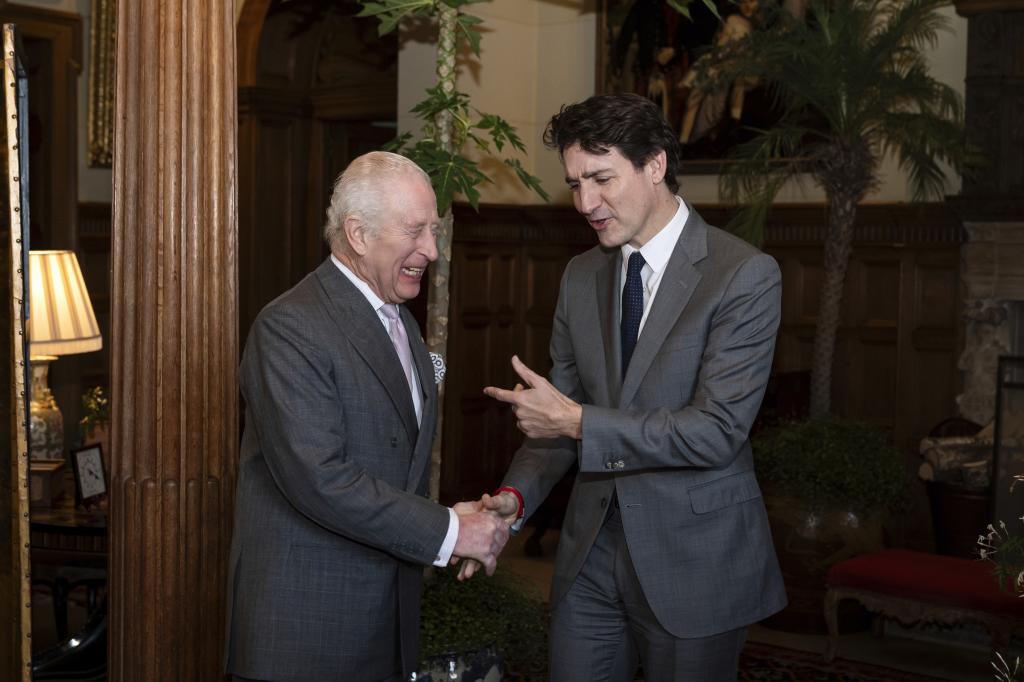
[899,223]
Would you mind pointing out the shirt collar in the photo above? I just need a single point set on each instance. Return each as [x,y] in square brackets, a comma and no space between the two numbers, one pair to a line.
[658,249]
[364,288]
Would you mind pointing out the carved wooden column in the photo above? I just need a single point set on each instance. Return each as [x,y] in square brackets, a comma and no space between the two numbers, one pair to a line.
[174,338]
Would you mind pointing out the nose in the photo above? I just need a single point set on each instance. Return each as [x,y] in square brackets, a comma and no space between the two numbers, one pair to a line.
[588,198]
[428,245]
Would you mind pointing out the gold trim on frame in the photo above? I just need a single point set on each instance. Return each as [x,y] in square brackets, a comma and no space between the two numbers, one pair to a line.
[20,559]
[101,83]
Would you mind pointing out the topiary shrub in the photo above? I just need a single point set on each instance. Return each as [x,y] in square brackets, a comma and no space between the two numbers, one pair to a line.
[831,463]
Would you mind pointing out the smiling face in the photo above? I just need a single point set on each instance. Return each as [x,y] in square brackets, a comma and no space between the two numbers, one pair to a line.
[393,258]
[622,203]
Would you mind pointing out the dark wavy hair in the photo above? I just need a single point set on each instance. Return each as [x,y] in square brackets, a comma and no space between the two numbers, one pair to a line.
[632,124]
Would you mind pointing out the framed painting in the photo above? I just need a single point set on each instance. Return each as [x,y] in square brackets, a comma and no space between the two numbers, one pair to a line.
[649,48]
[101,84]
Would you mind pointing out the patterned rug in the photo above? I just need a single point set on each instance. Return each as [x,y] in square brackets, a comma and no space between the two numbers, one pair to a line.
[766,663]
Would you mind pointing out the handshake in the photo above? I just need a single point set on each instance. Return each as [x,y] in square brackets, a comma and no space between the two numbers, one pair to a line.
[483,531]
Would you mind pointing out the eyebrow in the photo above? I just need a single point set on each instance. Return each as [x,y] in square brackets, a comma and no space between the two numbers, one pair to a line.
[588,175]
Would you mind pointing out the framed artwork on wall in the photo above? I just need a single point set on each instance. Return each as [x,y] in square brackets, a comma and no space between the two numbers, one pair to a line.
[649,48]
[101,84]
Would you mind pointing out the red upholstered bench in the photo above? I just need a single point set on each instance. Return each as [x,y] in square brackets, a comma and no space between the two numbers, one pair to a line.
[915,587]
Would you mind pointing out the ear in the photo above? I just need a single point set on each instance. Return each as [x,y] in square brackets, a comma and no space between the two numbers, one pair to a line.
[356,235]
[656,166]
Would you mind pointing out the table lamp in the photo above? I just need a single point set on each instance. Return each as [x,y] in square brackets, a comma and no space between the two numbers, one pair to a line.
[61,322]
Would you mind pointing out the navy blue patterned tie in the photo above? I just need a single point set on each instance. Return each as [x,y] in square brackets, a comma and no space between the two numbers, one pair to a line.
[632,307]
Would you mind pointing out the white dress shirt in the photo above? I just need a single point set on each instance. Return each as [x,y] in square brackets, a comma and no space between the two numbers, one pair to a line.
[448,546]
[656,253]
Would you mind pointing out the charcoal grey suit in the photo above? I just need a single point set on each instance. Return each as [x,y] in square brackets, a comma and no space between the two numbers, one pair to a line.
[332,527]
[670,438]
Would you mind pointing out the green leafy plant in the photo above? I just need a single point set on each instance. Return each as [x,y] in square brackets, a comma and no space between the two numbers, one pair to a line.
[851,83]
[95,411]
[449,122]
[499,612]
[831,463]
[1005,549]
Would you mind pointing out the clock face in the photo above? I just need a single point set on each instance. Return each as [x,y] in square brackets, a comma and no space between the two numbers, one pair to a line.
[90,474]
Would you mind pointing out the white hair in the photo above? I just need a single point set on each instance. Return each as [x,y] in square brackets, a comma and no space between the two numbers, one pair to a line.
[363,191]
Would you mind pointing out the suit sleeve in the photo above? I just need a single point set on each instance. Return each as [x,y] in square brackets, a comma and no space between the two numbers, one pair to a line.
[734,368]
[291,392]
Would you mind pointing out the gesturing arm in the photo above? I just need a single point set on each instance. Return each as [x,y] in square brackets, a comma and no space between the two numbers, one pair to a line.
[707,432]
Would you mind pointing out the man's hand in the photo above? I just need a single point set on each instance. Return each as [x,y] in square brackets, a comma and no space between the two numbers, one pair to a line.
[504,506]
[541,410]
[482,535]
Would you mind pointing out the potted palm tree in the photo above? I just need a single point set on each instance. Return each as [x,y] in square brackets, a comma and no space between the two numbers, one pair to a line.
[851,83]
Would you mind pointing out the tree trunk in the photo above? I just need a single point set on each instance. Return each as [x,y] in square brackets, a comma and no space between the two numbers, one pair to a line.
[437,308]
[842,210]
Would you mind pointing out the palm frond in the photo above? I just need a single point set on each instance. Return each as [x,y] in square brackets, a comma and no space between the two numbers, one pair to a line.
[753,175]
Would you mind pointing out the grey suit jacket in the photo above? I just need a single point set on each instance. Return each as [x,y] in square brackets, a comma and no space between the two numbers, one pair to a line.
[670,438]
[332,526]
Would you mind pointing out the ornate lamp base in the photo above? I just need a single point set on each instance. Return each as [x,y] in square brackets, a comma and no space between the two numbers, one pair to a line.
[46,428]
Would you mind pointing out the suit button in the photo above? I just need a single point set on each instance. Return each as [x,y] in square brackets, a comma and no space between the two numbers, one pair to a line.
[609,465]
[620,464]
[394,442]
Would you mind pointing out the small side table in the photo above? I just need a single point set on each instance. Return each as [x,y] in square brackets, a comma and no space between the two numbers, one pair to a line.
[69,551]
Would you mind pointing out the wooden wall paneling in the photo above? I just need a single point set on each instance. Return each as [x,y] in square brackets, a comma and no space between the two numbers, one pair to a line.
[895,360]
[485,291]
[900,334]
[174,302]
[507,265]
[274,151]
[312,93]
[932,342]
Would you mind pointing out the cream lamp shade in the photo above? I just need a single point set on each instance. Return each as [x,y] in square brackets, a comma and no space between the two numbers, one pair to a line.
[61,320]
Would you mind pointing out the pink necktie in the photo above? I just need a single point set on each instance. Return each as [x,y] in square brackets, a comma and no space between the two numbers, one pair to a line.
[396,330]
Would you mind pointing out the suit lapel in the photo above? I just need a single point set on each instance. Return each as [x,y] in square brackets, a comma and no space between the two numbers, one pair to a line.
[608,302]
[359,322]
[428,389]
[677,286]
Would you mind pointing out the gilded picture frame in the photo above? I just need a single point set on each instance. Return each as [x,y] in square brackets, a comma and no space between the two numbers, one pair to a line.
[102,53]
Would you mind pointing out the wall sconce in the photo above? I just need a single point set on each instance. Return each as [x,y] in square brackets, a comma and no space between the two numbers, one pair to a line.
[61,322]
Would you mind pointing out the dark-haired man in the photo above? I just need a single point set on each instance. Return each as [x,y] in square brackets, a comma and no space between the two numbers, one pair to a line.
[661,348]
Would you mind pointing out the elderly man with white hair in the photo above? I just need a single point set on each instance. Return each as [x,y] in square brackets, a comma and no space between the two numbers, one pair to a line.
[332,523]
